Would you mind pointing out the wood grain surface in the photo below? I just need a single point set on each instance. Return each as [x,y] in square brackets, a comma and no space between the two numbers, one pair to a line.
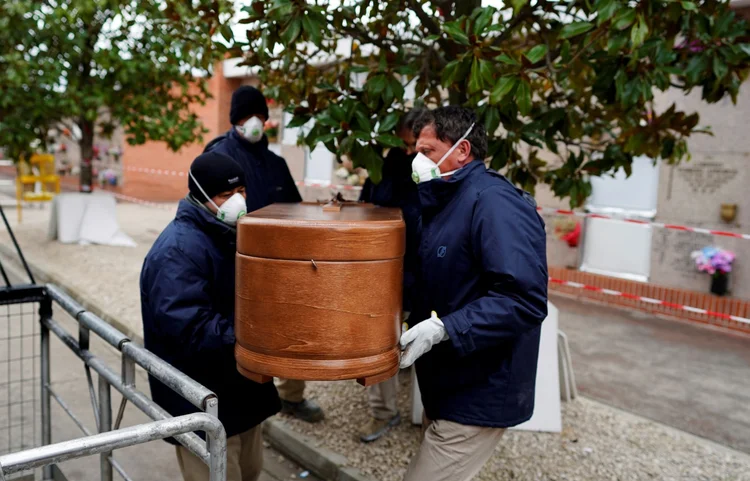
[321,297]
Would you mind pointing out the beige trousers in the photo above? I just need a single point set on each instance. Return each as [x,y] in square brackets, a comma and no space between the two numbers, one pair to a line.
[290,390]
[452,451]
[383,398]
[244,459]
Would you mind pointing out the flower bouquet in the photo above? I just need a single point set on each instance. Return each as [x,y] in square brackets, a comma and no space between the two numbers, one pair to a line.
[271,128]
[718,263]
[568,229]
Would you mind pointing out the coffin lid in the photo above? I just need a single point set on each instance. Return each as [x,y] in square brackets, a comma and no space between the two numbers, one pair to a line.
[331,232]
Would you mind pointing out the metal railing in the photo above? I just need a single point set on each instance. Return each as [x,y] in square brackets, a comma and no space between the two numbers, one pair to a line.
[110,436]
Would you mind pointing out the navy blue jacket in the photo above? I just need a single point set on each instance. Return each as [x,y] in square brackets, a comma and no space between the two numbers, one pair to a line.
[397,189]
[267,177]
[483,269]
[187,304]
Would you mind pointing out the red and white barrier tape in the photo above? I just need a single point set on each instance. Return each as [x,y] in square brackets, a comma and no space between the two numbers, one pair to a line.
[135,200]
[649,300]
[175,173]
[658,225]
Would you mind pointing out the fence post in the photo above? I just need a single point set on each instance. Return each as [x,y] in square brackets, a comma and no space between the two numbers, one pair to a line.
[105,424]
[45,312]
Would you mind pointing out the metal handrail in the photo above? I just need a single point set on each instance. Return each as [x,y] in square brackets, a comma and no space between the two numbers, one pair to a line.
[106,442]
[191,390]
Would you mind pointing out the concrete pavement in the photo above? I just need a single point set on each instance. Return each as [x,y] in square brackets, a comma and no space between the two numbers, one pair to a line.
[681,375]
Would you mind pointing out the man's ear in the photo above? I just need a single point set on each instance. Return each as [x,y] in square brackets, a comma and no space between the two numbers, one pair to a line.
[464,149]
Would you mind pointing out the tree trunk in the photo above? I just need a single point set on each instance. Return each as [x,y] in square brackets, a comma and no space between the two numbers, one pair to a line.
[86,144]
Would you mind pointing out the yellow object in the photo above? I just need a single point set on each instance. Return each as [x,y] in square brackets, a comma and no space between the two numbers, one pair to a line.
[39,169]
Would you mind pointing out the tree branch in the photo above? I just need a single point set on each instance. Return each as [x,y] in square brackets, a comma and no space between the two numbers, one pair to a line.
[525,13]
[426,20]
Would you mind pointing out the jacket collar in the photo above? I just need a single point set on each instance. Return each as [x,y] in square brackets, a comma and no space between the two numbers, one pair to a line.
[437,193]
[261,145]
[204,220]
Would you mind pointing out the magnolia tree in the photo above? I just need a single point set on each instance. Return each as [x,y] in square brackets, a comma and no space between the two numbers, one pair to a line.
[566,89]
[98,64]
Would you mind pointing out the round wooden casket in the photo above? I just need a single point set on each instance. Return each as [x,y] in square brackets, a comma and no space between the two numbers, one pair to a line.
[318,292]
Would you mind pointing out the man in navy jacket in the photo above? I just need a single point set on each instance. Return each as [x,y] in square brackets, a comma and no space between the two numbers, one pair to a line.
[395,189]
[268,181]
[187,305]
[480,294]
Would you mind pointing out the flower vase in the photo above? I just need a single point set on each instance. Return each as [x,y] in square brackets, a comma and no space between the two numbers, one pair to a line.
[719,283]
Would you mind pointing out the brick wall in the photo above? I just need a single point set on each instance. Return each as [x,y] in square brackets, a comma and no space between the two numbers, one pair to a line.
[162,188]
[724,305]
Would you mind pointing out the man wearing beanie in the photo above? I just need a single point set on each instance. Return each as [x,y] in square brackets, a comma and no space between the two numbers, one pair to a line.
[267,181]
[187,306]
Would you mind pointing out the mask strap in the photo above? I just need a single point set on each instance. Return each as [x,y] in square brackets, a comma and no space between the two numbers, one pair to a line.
[447,154]
[190,172]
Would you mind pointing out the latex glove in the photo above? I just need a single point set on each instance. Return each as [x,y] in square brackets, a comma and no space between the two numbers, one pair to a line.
[419,339]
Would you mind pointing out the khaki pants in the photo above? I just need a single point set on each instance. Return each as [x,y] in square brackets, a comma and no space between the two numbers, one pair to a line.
[290,390]
[452,451]
[383,398]
[244,459]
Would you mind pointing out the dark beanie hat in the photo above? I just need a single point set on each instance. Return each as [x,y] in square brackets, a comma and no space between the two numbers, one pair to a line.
[216,173]
[246,102]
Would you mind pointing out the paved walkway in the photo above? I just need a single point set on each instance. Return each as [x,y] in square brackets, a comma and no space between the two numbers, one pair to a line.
[685,376]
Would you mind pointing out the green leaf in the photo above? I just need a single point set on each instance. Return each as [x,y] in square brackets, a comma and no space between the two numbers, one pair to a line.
[292,31]
[432,38]
[337,112]
[575,29]
[313,29]
[226,32]
[487,72]
[453,29]
[389,140]
[536,54]
[475,77]
[375,85]
[492,121]
[298,121]
[374,164]
[362,120]
[524,98]
[506,59]
[720,68]
[616,43]
[639,32]
[689,6]
[606,9]
[389,122]
[484,20]
[624,19]
[745,47]
[449,73]
[503,87]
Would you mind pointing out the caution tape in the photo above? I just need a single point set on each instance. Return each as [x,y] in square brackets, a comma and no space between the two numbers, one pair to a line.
[135,200]
[649,300]
[658,225]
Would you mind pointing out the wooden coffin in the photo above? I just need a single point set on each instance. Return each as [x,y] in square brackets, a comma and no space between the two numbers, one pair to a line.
[318,292]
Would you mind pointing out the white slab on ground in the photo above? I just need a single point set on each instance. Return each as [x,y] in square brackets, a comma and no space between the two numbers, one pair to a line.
[87,219]
[547,410]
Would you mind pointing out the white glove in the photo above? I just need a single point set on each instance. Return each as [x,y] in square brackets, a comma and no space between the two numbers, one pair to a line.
[419,339]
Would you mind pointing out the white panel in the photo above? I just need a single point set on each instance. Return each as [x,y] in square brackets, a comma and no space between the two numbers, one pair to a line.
[635,195]
[547,415]
[319,165]
[616,248]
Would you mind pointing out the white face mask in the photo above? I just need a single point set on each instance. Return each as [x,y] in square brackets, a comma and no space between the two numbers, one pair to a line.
[423,169]
[231,210]
[252,130]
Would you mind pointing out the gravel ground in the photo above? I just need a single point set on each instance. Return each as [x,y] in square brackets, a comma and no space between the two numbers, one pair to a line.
[597,443]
